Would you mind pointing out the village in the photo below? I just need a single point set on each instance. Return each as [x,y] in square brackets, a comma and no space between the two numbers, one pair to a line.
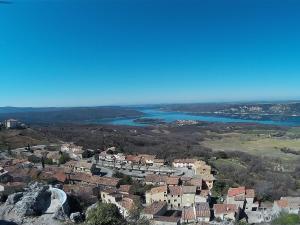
[172,193]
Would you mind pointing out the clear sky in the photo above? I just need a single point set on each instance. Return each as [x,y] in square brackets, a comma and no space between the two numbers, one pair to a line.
[102,52]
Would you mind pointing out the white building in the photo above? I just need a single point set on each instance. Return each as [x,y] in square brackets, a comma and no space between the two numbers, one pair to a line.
[11,123]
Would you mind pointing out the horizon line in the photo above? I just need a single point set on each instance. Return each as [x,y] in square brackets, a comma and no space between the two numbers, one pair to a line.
[290,101]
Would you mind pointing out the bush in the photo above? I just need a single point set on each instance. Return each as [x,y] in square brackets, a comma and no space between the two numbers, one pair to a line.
[125,179]
[287,219]
[105,214]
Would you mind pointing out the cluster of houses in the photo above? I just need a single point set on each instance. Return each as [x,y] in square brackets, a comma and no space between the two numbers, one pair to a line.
[171,199]
[141,159]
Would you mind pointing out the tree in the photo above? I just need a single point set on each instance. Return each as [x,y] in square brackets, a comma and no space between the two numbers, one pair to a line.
[125,179]
[95,170]
[64,157]
[135,217]
[105,214]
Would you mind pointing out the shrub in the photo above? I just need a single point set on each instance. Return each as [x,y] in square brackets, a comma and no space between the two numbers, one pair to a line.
[287,219]
[105,214]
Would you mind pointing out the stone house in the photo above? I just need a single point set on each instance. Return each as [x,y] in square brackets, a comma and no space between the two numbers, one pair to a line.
[188,214]
[175,196]
[124,202]
[157,194]
[183,163]
[158,162]
[201,168]
[289,205]
[188,195]
[80,166]
[155,209]
[202,211]
[225,211]
[243,198]
[208,181]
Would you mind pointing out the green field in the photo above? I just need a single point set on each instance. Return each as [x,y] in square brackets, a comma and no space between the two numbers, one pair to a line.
[261,144]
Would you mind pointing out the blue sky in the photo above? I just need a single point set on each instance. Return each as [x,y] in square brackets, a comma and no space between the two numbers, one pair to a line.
[108,52]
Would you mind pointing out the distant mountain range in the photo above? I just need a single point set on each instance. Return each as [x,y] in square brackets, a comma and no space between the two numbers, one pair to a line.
[67,114]
[253,111]
[257,111]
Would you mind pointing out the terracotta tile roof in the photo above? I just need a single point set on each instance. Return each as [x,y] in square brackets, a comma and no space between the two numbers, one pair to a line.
[202,210]
[155,207]
[225,208]
[196,182]
[153,178]
[282,203]
[125,188]
[236,191]
[173,180]
[133,158]
[79,189]
[175,190]
[189,189]
[129,201]
[145,157]
[160,189]
[188,213]
[105,181]
[293,202]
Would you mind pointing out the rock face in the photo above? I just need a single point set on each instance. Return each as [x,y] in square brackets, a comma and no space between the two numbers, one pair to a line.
[33,202]
[77,217]
[13,198]
[37,201]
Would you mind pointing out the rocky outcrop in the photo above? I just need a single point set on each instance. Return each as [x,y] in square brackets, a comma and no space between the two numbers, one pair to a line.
[14,198]
[37,201]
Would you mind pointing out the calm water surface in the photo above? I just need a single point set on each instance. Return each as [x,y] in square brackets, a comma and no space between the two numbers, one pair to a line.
[173,116]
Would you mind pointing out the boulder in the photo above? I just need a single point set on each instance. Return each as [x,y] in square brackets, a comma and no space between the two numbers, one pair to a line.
[77,217]
[34,201]
[14,198]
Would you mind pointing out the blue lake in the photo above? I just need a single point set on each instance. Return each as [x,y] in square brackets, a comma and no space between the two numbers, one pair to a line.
[173,116]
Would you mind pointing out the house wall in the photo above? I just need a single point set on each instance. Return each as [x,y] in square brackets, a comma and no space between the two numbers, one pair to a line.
[188,199]
[203,219]
[157,197]
[199,198]
[174,201]
[230,200]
